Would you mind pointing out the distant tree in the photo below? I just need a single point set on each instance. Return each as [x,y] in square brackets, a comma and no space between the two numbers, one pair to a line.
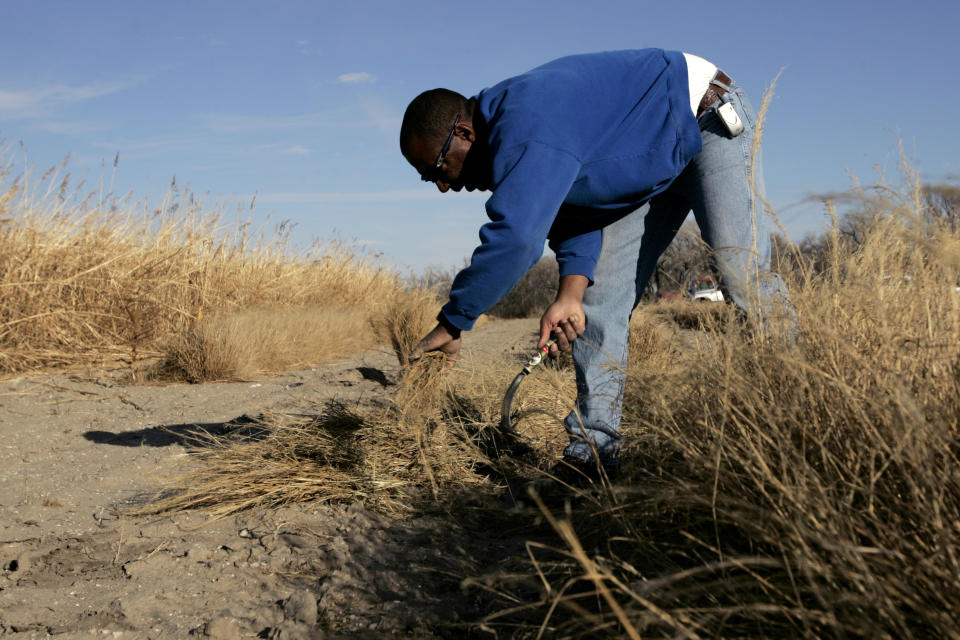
[530,296]
[942,204]
[859,211]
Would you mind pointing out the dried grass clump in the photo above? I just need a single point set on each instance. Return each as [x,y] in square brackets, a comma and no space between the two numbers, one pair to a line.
[107,279]
[405,316]
[420,450]
[435,443]
[337,456]
[694,314]
[654,341]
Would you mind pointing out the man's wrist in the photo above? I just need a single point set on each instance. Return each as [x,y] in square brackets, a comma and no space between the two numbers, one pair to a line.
[572,287]
[452,330]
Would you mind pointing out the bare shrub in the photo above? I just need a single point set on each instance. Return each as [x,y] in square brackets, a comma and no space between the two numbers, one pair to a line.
[684,260]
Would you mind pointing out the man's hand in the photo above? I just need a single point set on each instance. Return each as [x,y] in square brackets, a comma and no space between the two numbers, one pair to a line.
[440,339]
[564,320]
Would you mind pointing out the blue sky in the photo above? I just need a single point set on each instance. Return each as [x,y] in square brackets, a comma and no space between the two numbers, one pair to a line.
[300,102]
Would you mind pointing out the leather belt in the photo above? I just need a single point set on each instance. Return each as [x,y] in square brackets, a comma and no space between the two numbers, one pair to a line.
[714,92]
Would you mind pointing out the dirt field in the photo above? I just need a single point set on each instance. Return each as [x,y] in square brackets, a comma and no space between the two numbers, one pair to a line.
[77,448]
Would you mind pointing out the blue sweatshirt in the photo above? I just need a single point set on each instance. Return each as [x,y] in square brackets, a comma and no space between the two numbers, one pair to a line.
[575,144]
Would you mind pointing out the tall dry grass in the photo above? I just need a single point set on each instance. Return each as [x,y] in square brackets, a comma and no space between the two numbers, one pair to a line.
[248,343]
[791,488]
[87,278]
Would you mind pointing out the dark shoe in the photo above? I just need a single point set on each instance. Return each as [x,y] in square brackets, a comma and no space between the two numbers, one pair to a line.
[583,453]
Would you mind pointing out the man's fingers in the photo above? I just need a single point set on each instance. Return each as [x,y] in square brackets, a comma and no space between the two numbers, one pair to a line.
[569,331]
[563,344]
[418,351]
[545,331]
[429,342]
[566,332]
[554,349]
[578,326]
[449,360]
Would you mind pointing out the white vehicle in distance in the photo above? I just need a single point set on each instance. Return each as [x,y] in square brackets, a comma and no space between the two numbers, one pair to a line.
[707,290]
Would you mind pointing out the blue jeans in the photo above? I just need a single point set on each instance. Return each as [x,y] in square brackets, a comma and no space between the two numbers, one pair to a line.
[716,185]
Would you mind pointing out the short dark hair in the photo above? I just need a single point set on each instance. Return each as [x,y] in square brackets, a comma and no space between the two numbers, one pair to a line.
[430,115]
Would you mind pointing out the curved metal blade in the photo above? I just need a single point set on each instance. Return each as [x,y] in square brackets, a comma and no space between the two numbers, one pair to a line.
[505,422]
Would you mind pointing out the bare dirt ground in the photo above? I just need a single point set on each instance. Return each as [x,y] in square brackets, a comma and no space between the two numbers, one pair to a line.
[76,447]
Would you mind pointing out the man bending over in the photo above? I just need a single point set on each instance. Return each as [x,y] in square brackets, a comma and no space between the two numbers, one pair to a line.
[602,155]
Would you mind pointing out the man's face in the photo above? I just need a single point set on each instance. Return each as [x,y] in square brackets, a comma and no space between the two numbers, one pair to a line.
[459,169]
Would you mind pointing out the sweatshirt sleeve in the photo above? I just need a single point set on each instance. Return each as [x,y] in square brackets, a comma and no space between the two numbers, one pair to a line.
[528,191]
[578,254]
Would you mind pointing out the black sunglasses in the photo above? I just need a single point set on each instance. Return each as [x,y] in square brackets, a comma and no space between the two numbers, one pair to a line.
[446,145]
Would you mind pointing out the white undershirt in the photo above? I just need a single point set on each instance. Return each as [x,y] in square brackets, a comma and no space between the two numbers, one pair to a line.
[699,74]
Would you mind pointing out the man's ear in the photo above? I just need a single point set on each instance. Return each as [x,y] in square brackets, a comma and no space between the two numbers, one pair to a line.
[465,131]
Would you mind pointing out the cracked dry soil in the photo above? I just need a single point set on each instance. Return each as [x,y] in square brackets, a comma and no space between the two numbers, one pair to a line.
[74,447]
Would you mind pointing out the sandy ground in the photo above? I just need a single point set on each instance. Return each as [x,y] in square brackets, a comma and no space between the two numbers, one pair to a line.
[75,447]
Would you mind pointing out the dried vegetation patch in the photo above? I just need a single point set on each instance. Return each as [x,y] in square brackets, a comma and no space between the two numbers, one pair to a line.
[104,279]
[801,484]
[804,484]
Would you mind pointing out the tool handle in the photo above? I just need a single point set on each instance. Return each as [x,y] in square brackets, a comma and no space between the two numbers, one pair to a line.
[538,358]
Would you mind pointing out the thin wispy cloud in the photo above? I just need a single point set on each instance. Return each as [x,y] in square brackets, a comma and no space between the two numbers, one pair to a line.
[296,150]
[68,128]
[304,48]
[361,77]
[235,123]
[41,101]
[145,145]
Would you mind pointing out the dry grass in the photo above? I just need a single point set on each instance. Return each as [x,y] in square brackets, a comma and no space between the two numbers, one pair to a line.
[395,459]
[806,489]
[335,456]
[771,487]
[86,280]
[245,344]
